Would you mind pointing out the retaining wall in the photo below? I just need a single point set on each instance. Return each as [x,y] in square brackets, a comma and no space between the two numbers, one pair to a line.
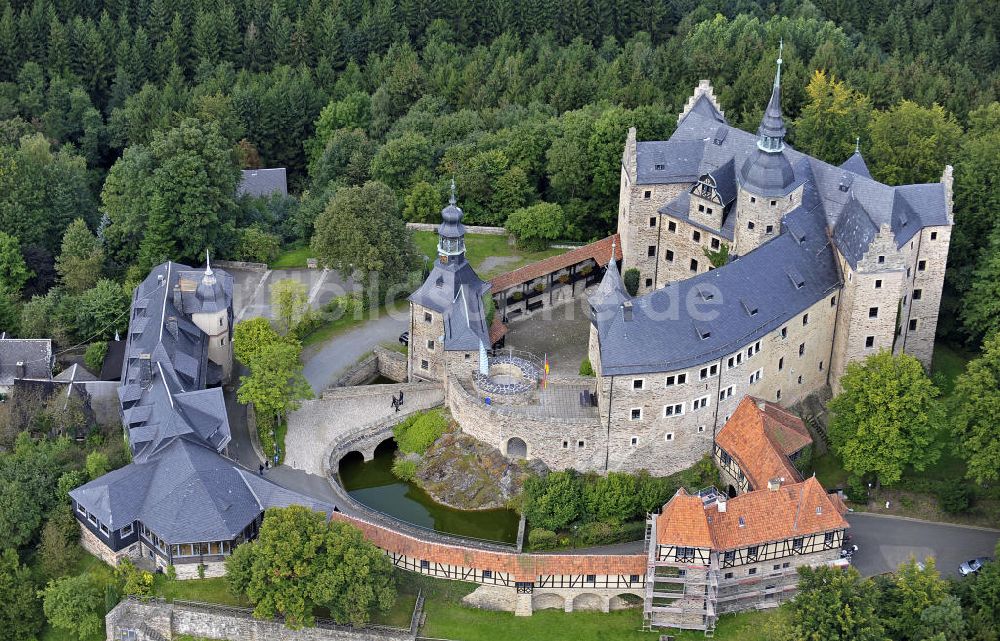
[469,229]
[239,264]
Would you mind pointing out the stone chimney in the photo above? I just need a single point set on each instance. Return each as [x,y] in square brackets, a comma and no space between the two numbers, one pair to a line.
[171,325]
[145,371]
[775,484]
[627,310]
[721,503]
[178,298]
[19,369]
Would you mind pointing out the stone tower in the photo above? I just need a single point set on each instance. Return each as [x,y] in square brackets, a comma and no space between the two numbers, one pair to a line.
[212,317]
[446,312]
[768,188]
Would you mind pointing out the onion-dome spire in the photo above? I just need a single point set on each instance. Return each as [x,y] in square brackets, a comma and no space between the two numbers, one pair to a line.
[771,134]
[209,277]
[451,231]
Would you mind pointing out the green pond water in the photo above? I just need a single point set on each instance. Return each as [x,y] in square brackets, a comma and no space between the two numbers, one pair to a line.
[374,485]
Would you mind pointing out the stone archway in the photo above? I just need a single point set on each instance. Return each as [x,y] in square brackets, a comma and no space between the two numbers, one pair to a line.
[517,448]
[588,601]
[624,601]
[731,491]
[353,456]
[547,601]
[388,445]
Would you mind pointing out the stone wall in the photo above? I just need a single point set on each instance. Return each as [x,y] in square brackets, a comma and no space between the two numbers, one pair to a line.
[678,247]
[762,212]
[646,228]
[362,372]
[426,349]
[157,620]
[469,229]
[555,441]
[391,364]
[93,544]
[239,264]
[213,570]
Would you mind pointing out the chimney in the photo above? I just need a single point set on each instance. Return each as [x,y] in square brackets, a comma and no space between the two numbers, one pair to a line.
[627,310]
[178,299]
[774,484]
[145,371]
[172,325]
[761,405]
[721,502]
[20,369]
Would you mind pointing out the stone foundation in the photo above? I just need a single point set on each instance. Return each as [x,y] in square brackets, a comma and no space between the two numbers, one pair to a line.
[213,570]
[96,546]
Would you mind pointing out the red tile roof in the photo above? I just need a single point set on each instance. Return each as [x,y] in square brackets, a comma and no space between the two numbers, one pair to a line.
[600,252]
[683,522]
[524,567]
[760,436]
[497,329]
[799,509]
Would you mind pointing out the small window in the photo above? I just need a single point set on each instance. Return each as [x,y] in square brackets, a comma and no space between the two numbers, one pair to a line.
[786,564]
[701,429]
[565,445]
[873,312]
[649,282]
[769,229]
[784,332]
[729,575]
[633,578]
[753,199]
[869,341]
[467,356]
[675,409]
[708,372]
[918,294]
[828,538]
[487,574]
[726,393]
[424,564]
[669,436]
[636,413]
[777,395]
[881,260]
[591,578]
[104,530]
[696,236]
[913,324]
[750,225]
[646,194]
[694,265]
[127,530]
[802,349]
[669,256]
[635,441]
[752,571]
[651,250]
[921,265]
[755,376]
[581,444]
[709,210]
[659,167]
[427,317]
[781,363]
[682,378]
[821,366]
[424,364]
[878,283]
[774,203]
[776,567]
[701,207]
[430,345]
[699,403]
[933,235]
[652,221]
[638,383]
[800,379]
[671,226]
[797,543]
[805,319]
[715,243]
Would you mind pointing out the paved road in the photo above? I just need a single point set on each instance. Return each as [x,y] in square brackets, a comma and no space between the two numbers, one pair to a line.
[333,358]
[885,542]
[240,448]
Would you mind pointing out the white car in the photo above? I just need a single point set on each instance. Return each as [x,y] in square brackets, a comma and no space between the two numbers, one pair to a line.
[973,565]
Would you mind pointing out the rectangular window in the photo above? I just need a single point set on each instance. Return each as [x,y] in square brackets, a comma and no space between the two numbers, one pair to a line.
[635,441]
[781,363]
[633,578]
[669,436]
[802,349]
[565,445]
[427,317]
[873,312]
[755,376]
[918,294]
[638,383]
[785,564]
[921,265]
[797,543]
[701,207]
[671,226]
[649,282]
[878,283]
[424,564]
[696,236]
[651,250]
[104,530]
[750,225]
[694,265]
[821,366]
[800,380]
[709,210]
[784,332]
[591,578]
[487,574]
[777,395]
[675,409]
[729,557]
[933,235]
[127,530]
[708,372]
[652,221]
[869,341]
[776,567]
[636,413]
[580,444]
[430,345]
[424,364]
[646,194]
[881,260]
[913,324]
[729,575]
[833,301]
[753,199]
[715,243]
[774,203]
[699,403]
[828,538]
[726,393]
[805,319]
[769,229]
[752,571]
[669,255]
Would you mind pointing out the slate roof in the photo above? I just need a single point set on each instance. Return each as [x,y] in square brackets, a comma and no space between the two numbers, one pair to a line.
[611,293]
[844,202]
[680,207]
[760,436]
[262,182]
[35,353]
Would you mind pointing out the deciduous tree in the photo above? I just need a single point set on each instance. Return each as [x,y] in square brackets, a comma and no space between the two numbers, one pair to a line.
[290,301]
[912,144]
[13,272]
[82,257]
[275,384]
[832,118]
[251,336]
[553,501]
[885,418]
[976,415]
[537,226]
[75,604]
[835,605]
[21,614]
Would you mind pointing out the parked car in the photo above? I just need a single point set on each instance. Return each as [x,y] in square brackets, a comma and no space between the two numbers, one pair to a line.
[973,565]
[404,338]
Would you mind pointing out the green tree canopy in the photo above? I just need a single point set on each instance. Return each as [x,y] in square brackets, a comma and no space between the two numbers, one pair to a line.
[835,605]
[885,418]
[75,604]
[300,562]
[613,497]
[980,310]
[976,416]
[537,226]
[13,272]
[275,384]
[82,257]
[423,204]
[20,616]
[101,311]
[832,118]
[912,144]
[251,336]
[291,303]
[361,229]
[553,501]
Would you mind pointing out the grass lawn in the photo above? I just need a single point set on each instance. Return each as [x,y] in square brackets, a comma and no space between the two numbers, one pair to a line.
[293,258]
[479,247]
[279,439]
[830,471]
[949,362]
[329,329]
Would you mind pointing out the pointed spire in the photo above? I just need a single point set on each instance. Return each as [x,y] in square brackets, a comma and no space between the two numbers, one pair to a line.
[771,134]
[857,144]
[452,200]
[613,248]
[208,264]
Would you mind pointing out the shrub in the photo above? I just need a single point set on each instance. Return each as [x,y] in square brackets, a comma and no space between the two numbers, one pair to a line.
[631,279]
[257,245]
[171,572]
[201,570]
[598,533]
[536,226]
[586,369]
[613,498]
[953,496]
[93,358]
[419,431]
[133,581]
[404,469]
[97,464]
[553,501]
[542,539]
[857,491]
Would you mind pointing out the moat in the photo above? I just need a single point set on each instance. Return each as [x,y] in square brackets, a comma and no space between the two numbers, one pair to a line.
[373,484]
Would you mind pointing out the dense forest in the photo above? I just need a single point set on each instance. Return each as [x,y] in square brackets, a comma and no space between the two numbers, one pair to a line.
[134,116]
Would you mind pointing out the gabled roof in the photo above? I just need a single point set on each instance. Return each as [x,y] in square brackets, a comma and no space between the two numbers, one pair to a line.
[682,522]
[611,293]
[856,164]
[599,251]
[262,182]
[760,436]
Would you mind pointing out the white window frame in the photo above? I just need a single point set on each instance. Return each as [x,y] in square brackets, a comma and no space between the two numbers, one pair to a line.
[631,412]
[668,437]
[706,372]
[430,345]
[677,409]
[641,384]
[701,429]
[127,530]
[676,379]
[726,393]
[634,441]
[755,377]
[699,403]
